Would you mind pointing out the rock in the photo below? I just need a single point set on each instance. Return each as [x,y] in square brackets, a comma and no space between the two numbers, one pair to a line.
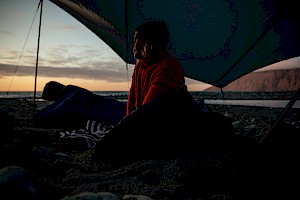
[238,124]
[43,152]
[136,197]
[16,183]
[93,196]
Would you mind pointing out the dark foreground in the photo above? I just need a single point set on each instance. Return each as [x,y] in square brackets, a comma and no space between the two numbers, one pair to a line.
[38,164]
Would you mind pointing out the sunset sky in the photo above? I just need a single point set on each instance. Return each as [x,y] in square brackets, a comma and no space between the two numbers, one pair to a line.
[69,52]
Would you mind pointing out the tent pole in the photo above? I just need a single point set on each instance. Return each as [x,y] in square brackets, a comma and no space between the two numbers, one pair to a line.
[38,47]
[282,114]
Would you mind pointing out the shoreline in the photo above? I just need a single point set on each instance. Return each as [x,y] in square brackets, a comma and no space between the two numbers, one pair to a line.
[211,95]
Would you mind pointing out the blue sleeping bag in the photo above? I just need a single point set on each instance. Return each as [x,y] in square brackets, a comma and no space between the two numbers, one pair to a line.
[78,105]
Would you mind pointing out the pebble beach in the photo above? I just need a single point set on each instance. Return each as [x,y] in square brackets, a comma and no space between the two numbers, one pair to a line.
[49,167]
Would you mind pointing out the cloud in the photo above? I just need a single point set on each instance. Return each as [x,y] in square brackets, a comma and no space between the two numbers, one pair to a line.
[70,57]
[109,74]
[6,33]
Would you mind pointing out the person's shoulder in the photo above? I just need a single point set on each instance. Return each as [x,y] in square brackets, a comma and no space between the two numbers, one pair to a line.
[75,89]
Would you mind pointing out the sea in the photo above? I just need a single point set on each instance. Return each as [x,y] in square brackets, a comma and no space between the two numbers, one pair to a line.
[122,96]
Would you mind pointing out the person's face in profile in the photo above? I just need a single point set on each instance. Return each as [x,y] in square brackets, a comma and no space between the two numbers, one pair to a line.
[137,46]
[141,48]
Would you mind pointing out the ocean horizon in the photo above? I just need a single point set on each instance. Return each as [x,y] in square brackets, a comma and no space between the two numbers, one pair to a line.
[30,94]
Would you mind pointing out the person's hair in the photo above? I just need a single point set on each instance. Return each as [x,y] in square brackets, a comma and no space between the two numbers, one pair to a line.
[156,32]
[52,91]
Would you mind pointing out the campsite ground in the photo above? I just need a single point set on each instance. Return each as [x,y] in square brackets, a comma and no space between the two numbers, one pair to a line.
[59,170]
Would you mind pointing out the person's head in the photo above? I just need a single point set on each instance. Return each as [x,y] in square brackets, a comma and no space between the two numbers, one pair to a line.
[52,91]
[150,38]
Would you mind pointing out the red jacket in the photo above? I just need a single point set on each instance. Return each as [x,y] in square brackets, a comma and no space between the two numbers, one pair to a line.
[152,78]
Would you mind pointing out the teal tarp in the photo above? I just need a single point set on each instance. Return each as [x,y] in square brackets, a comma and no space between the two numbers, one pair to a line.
[217,41]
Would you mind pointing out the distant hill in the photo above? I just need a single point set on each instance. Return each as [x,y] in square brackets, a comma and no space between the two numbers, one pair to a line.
[265,81]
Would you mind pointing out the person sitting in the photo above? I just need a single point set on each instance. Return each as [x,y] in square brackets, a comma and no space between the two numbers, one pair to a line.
[73,105]
[162,118]
[156,71]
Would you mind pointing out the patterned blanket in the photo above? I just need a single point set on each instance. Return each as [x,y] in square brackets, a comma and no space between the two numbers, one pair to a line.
[93,133]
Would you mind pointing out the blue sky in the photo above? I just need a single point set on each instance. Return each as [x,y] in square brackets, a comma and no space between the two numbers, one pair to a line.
[67,50]
[66,46]
[60,33]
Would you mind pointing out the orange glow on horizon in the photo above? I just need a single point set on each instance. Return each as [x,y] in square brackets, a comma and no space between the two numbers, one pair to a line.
[26,83]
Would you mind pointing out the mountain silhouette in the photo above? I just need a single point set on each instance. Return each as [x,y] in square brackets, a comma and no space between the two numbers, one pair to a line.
[265,81]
